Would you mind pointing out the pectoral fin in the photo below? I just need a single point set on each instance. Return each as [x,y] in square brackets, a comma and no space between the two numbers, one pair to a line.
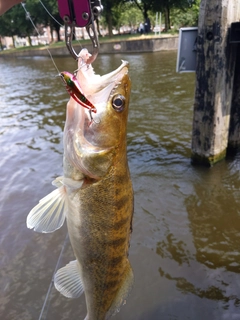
[68,281]
[68,182]
[49,214]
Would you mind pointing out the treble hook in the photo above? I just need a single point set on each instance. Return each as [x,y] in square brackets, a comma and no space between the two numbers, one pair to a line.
[81,13]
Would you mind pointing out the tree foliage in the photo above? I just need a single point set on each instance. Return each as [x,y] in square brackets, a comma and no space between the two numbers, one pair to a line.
[115,13]
[15,22]
[183,18]
[164,6]
[145,6]
[55,22]
[110,13]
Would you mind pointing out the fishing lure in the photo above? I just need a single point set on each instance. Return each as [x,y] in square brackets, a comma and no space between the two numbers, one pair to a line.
[70,80]
[75,91]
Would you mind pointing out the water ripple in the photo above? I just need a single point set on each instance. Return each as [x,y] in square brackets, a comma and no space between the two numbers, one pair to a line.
[185,244]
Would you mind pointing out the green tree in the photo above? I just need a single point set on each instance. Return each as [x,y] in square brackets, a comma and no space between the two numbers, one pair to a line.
[184,18]
[14,23]
[50,18]
[55,21]
[110,13]
[130,15]
[166,6]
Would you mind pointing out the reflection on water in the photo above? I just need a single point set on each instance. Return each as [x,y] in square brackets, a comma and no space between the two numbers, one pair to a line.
[184,246]
[216,235]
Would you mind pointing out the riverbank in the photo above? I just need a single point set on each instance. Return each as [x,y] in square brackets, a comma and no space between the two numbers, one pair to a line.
[144,43]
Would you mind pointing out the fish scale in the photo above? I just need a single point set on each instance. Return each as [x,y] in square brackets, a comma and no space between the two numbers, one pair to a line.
[111,234]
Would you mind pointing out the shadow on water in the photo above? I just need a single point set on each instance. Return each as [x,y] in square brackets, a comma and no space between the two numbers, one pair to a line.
[213,213]
[185,242]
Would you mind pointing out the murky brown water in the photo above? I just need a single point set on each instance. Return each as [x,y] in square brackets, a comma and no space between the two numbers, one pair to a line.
[186,238]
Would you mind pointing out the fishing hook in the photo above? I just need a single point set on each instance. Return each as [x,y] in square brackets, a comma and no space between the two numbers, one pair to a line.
[92,119]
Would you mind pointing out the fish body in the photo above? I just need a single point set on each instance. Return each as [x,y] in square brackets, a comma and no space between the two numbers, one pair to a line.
[96,197]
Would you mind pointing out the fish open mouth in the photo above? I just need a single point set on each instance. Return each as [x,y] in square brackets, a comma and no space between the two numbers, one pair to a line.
[97,89]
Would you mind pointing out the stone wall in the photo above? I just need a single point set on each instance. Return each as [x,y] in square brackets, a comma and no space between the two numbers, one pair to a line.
[140,45]
[128,46]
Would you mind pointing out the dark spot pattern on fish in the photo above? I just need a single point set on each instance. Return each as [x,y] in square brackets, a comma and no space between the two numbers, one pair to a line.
[121,201]
[117,242]
[115,273]
[118,225]
[116,260]
[111,284]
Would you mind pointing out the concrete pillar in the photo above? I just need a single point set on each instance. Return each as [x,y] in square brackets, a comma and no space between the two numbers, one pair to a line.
[234,129]
[214,81]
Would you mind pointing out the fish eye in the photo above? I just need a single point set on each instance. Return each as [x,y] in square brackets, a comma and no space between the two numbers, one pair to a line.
[118,102]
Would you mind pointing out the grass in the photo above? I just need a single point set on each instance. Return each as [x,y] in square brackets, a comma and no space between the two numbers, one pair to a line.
[105,39]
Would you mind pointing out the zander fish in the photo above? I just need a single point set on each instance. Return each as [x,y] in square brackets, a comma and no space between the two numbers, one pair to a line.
[95,195]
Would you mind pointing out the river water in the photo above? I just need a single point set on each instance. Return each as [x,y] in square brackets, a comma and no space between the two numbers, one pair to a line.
[186,229]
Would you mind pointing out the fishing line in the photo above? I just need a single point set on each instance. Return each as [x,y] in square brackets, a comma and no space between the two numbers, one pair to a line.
[28,16]
[48,12]
[59,73]
[66,238]
[52,281]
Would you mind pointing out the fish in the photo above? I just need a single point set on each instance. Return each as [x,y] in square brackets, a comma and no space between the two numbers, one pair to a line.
[94,195]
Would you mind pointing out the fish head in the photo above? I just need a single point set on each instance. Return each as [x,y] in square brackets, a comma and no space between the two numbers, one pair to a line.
[93,142]
[107,128]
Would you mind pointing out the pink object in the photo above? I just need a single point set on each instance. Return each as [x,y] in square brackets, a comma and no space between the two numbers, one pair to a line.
[82,9]
[63,8]
[77,11]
